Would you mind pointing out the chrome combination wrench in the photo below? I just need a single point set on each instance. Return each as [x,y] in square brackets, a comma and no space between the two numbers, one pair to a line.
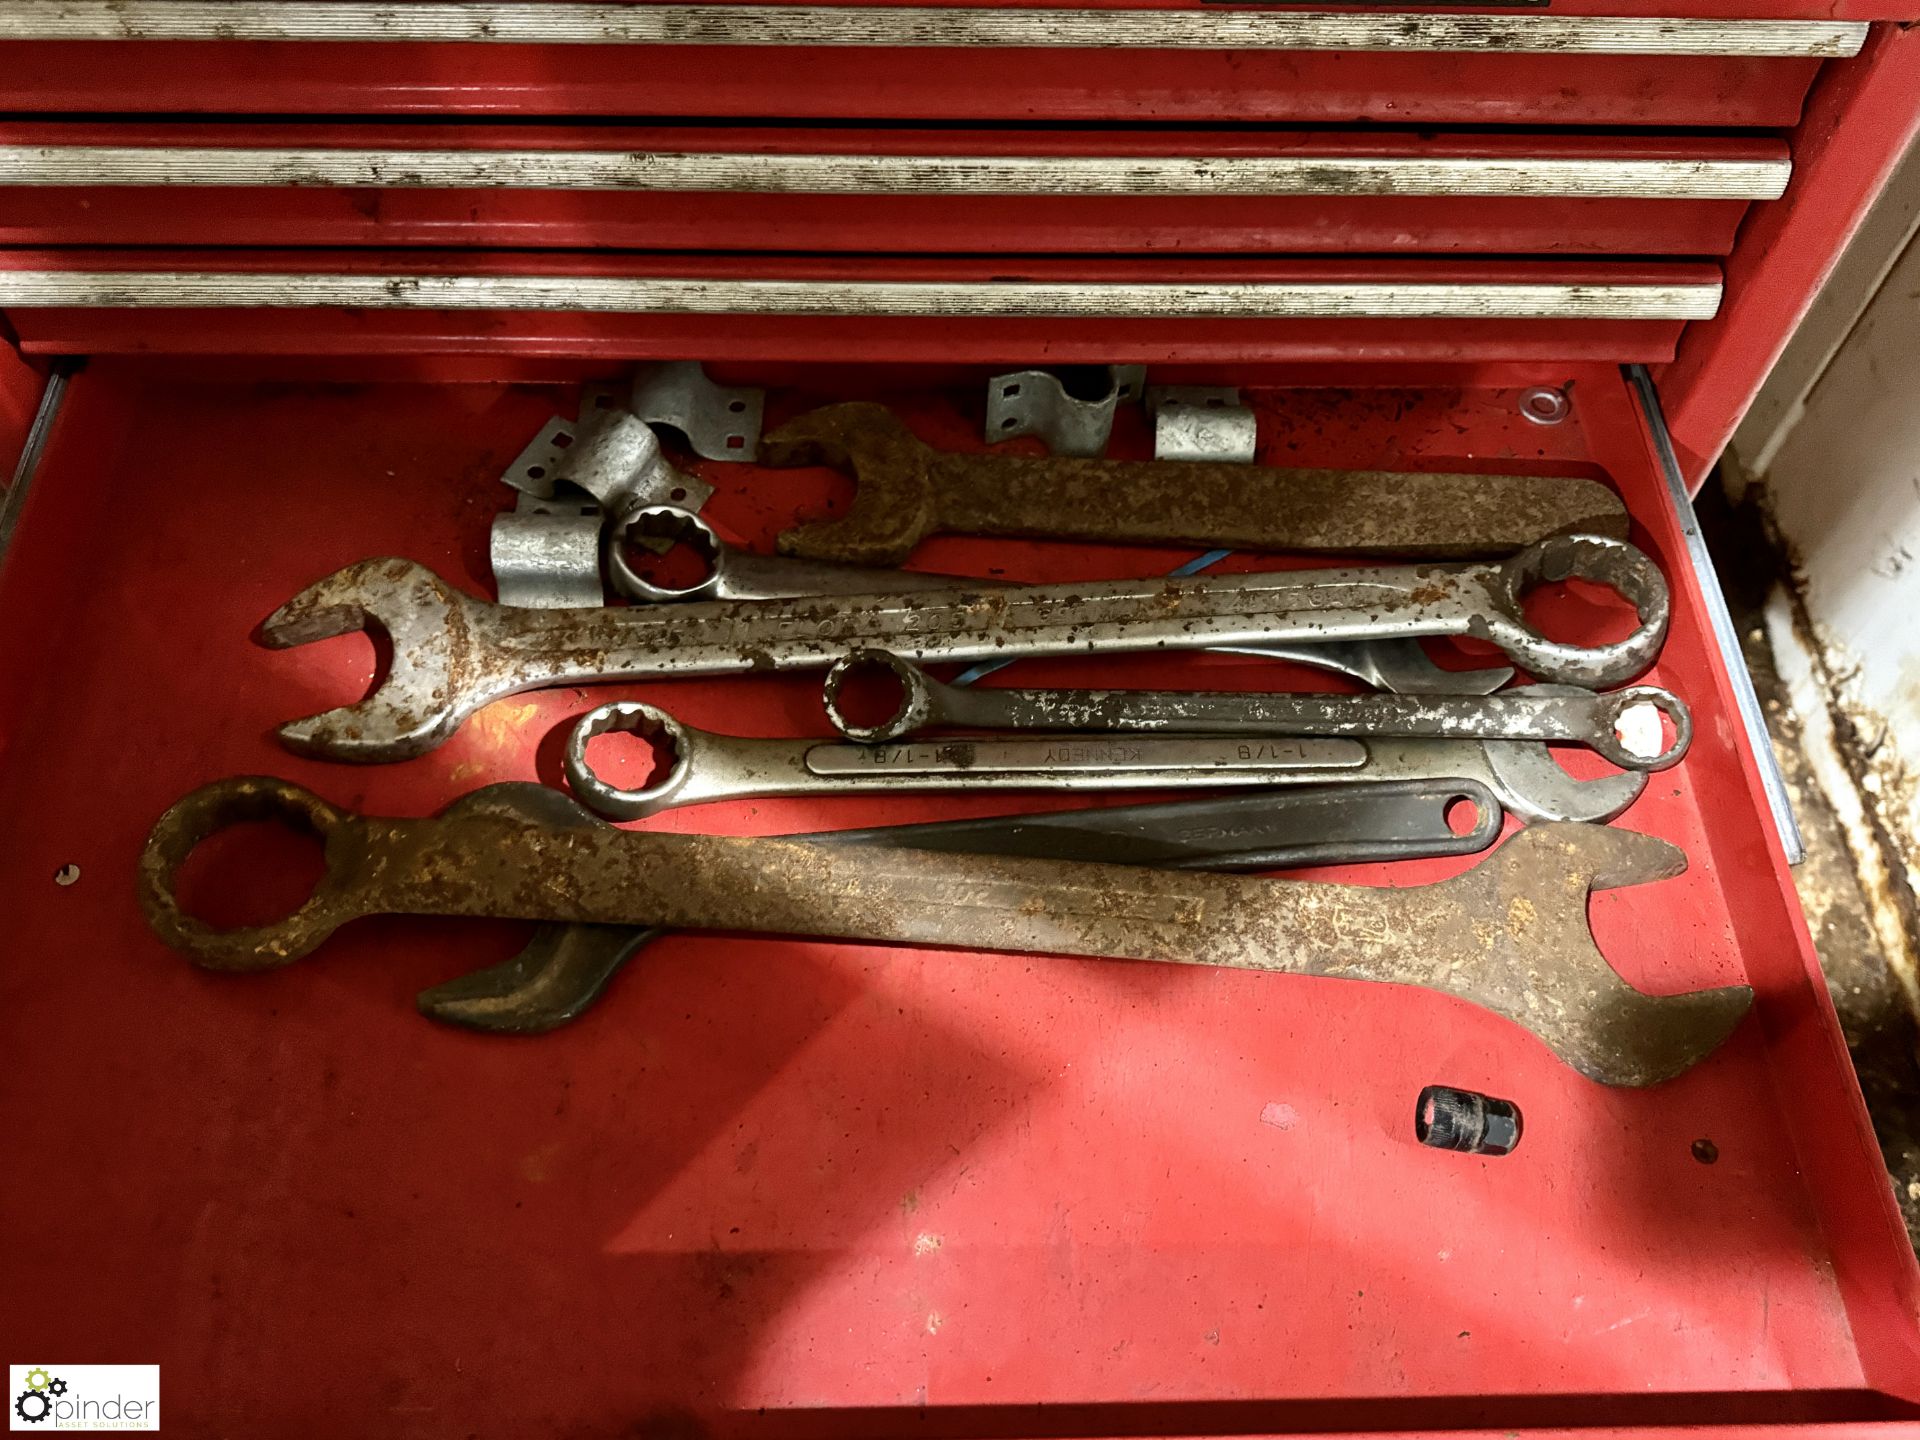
[1547,713]
[697,766]
[730,573]
[451,653]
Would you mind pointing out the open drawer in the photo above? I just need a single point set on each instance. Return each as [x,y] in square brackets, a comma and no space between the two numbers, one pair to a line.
[773,1187]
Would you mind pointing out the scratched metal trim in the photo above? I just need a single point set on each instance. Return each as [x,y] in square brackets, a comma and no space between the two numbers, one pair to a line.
[14,498]
[1713,599]
[536,23]
[40,289]
[829,174]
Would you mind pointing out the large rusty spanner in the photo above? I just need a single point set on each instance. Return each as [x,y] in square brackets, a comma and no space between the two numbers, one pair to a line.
[565,969]
[907,491]
[451,653]
[1510,935]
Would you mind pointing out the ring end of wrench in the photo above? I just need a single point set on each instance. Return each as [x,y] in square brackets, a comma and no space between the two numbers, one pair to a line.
[630,717]
[1615,564]
[198,817]
[660,528]
[913,712]
[1615,706]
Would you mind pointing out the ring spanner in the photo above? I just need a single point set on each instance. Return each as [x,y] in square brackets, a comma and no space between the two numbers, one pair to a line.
[1559,713]
[1510,935]
[564,969]
[698,766]
[451,653]
[730,573]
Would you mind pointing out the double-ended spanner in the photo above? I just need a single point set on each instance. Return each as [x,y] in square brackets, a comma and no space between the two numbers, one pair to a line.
[730,573]
[905,491]
[1548,713]
[451,653]
[1509,935]
[694,767]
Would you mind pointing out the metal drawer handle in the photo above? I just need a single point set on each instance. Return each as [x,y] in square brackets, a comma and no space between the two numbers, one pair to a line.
[657,295]
[810,25]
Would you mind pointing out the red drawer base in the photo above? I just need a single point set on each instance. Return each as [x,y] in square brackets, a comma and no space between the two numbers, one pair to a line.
[787,1188]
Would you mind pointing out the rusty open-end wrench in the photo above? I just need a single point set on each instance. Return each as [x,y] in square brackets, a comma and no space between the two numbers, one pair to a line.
[1536,712]
[908,491]
[451,653]
[1510,935]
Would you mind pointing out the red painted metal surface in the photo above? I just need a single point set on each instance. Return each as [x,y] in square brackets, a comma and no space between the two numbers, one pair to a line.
[953,84]
[774,1188]
[502,337]
[21,382]
[299,331]
[1860,122]
[305,214]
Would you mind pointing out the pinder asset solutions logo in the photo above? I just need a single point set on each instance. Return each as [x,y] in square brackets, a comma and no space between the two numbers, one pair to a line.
[83,1397]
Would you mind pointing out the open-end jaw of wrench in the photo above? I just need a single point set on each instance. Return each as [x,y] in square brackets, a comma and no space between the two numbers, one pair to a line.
[907,491]
[1562,714]
[564,969]
[451,653]
[698,766]
[1510,935]
[729,573]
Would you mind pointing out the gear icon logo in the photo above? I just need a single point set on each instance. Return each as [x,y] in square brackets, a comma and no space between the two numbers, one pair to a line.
[33,1406]
[35,1403]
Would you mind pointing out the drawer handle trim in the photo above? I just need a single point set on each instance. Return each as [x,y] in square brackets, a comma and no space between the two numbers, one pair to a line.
[926,299]
[536,23]
[830,174]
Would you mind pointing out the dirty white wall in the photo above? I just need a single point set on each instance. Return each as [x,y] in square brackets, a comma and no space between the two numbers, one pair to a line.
[1841,464]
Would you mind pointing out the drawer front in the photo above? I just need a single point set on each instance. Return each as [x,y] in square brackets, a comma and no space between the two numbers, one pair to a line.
[1692,99]
[891,62]
[895,309]
[779,188]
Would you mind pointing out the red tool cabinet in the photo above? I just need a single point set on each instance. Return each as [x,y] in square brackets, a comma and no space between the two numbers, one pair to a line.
[329,266]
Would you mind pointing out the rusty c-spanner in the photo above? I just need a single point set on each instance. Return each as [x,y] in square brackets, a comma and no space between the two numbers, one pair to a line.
[908,491]
[1509,935]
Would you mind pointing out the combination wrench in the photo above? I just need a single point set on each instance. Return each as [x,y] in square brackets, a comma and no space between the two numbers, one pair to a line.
[730,573]
[1510,935]
[905,490]
[451,653]
[697,766]
[1537,712]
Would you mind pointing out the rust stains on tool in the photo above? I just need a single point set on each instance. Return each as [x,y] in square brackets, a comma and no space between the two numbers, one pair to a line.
[451,653]
[907,491]
[1510,935]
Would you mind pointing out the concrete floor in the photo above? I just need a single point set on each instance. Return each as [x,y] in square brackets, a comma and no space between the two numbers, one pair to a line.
[1873,1004]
